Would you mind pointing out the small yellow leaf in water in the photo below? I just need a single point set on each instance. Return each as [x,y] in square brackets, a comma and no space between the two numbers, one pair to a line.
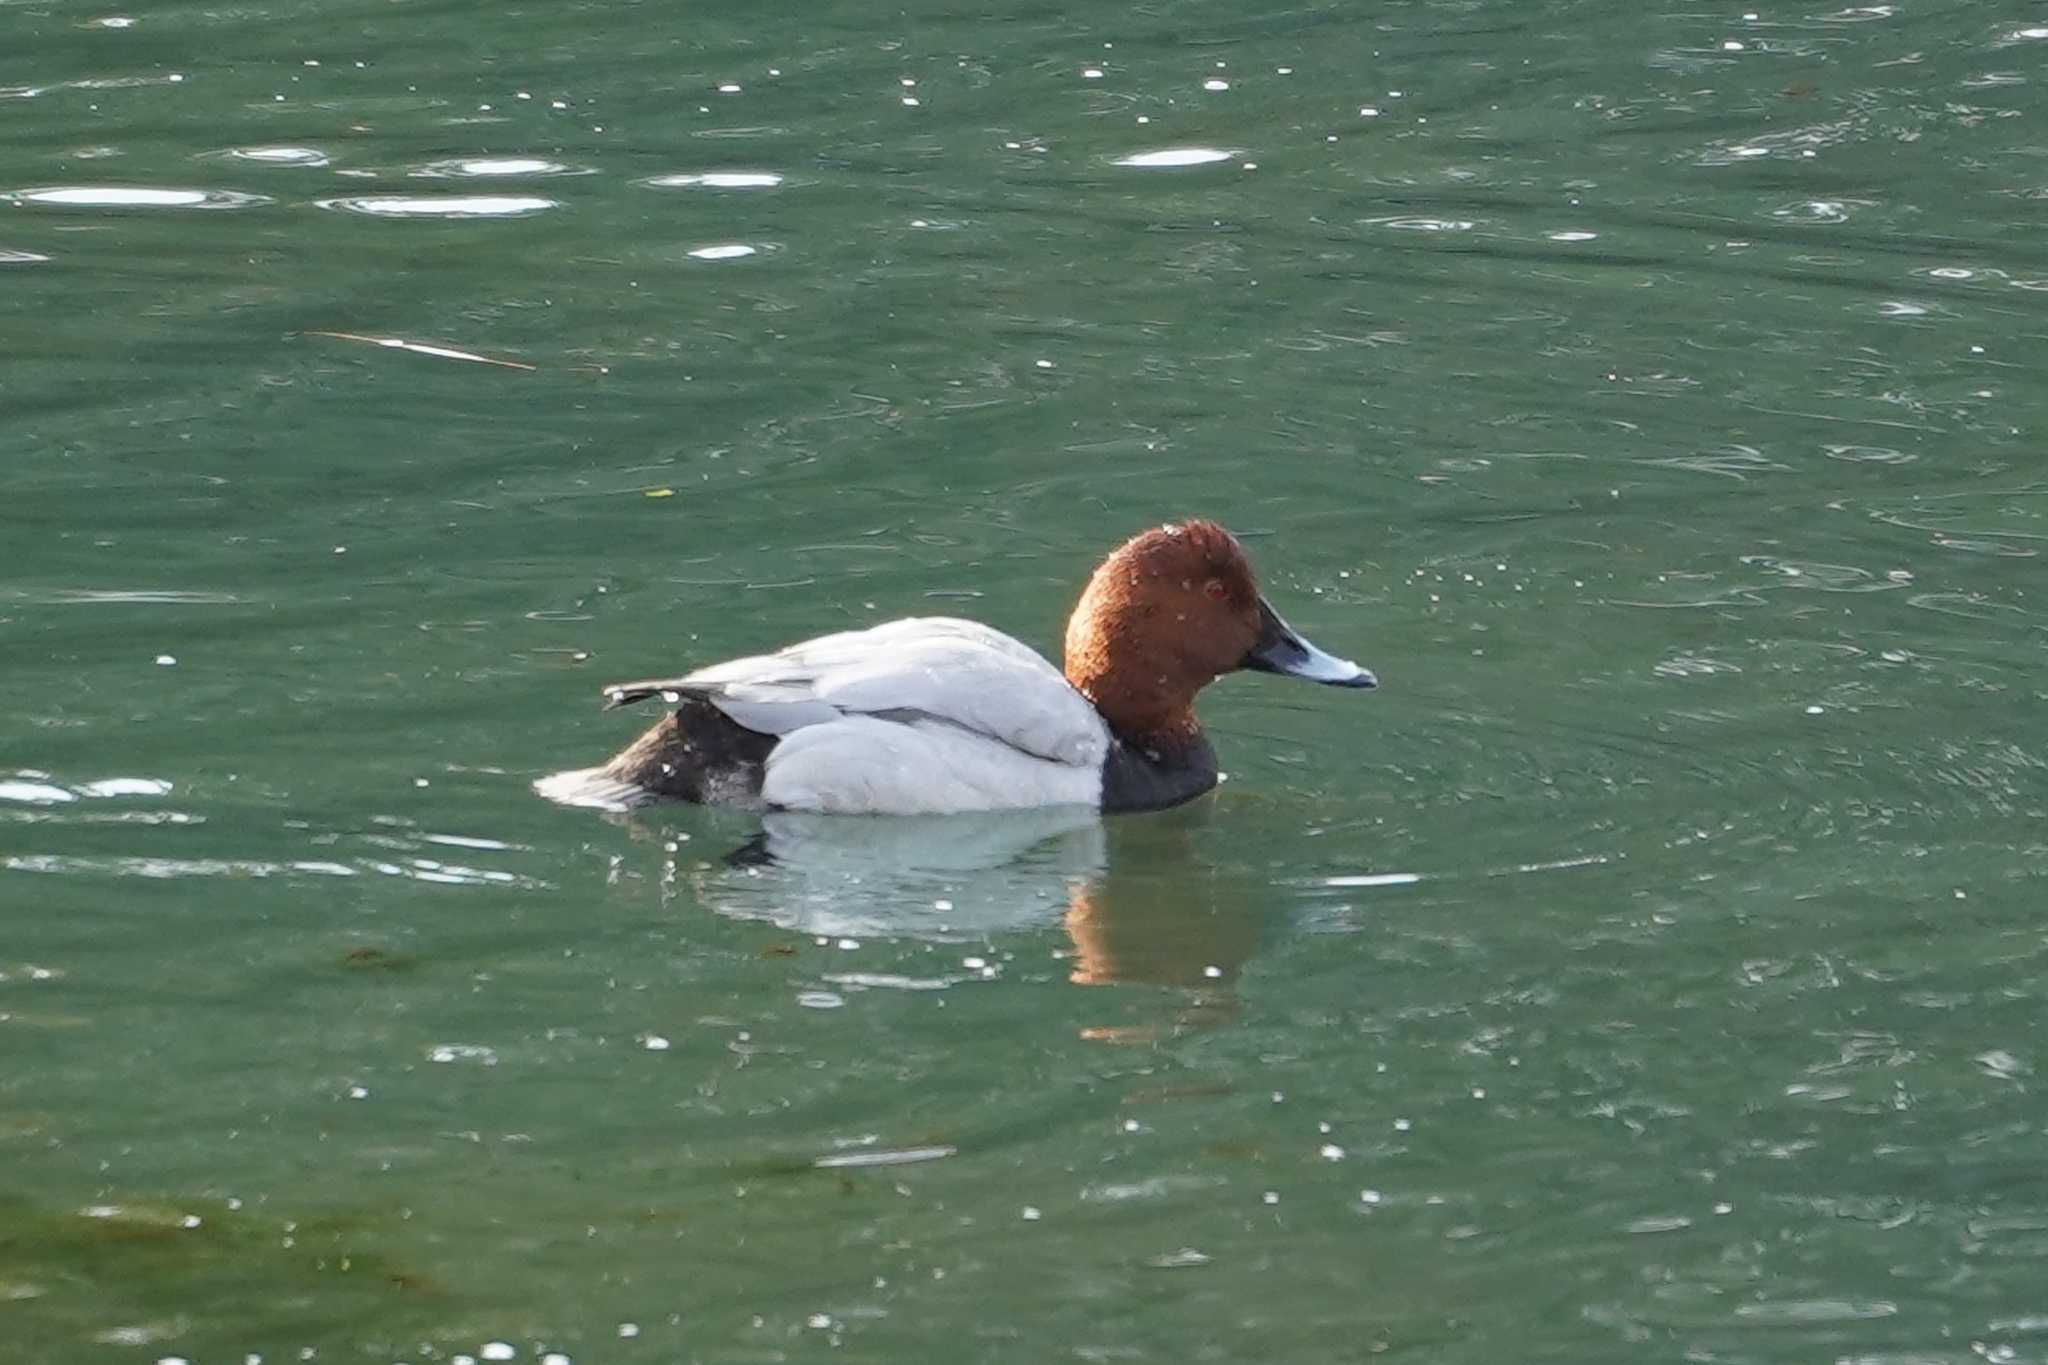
[660,493]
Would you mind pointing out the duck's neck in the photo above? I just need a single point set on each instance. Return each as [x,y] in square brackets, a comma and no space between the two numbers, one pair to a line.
[1157,733]
[1154,776]
[1148,713]
[1124,656]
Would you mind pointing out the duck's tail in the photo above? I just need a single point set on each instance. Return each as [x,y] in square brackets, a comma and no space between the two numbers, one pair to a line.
[625,694]
[596,788]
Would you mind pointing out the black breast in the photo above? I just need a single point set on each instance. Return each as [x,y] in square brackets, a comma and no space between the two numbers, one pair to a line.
[1154,776]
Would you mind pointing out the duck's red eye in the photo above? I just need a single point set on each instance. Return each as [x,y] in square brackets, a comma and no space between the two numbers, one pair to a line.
[1216,589]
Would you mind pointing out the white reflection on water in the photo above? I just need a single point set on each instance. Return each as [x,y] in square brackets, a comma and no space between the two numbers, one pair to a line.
[36,793]
[1821,210]
[39,788]
[280,156]
[20,257]
[1374,879]
[67,597]
[441,206]
[70,816]
[163,868]
[472,841]
[126,82]
[897,1156]
[1415,223]
[487,166]
[1176,156]
[450,874]
[1868,454]
[1801,143]
[131,197]
[126,786]
[725,251]
[717,180]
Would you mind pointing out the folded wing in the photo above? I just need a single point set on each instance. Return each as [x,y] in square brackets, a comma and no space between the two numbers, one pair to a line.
[915,671]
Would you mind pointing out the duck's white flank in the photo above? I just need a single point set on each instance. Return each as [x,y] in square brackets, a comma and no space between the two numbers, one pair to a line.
[862,765]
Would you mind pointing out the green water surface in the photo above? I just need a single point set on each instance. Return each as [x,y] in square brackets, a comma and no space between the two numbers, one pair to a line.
[1652,970]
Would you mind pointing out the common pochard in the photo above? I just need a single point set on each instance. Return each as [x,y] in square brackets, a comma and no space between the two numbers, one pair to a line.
[934,714]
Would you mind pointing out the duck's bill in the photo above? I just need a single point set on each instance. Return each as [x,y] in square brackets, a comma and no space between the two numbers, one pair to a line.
[1281,649]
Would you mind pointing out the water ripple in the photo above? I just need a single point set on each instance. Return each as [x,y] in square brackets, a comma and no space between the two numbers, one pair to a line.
[415,869]
[441,206]
[900,1156]
[126,82]
[126,786]
[1868,454]
[487,166]
[278,156]
[1176,156]
[71,597]
[717,180]
[1820,210]
[132,197]
[1417,223]
[38,788]
[34,792]
[723,251]
[1821,577]
[110,817]
[158,869]
[1796,142]
[1815,1310]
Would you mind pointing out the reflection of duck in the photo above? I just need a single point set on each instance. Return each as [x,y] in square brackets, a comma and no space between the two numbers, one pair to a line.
[1165,917]
[1156,914]
[1162,918]
[932,715]
[948,877]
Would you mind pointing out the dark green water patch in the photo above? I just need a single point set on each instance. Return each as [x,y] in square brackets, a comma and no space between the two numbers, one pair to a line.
[195,1278]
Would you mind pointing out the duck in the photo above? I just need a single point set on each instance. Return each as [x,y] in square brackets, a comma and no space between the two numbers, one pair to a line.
[934,715]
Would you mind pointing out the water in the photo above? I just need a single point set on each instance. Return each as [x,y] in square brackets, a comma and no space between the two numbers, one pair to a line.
[1649,970]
